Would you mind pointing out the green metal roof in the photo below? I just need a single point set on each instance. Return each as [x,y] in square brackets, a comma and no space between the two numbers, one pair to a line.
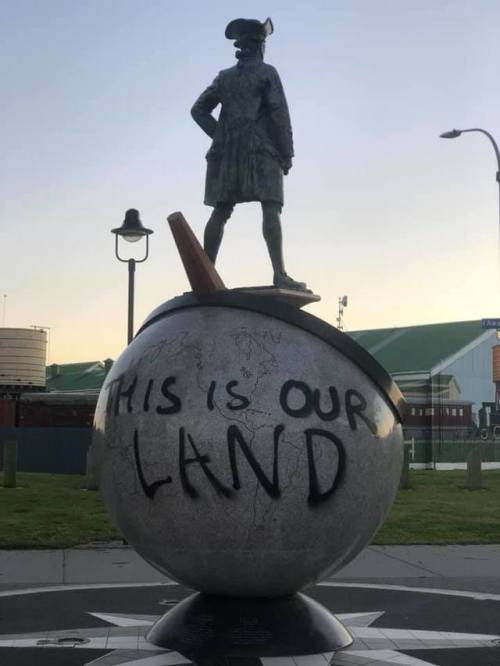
[398,350]
[75,376]
[437,381]
[417,348]
[438,385]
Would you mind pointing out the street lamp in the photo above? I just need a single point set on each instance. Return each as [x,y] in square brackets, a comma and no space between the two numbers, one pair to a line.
[453,134]
[131,231]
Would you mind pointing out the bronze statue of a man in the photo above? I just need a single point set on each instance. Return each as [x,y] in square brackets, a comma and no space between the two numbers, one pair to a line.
[252,143]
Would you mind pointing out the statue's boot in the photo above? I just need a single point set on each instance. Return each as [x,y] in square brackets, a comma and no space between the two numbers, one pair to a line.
[284,281]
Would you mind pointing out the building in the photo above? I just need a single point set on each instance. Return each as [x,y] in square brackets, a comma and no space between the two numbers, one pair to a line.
[53,428]
[443,370]
[72,390]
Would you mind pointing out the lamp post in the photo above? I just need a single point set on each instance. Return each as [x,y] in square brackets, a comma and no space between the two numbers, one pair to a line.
[453,134]
[131,231]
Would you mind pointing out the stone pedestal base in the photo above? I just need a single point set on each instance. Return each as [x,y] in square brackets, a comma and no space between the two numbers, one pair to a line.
[291,296]
[203,627]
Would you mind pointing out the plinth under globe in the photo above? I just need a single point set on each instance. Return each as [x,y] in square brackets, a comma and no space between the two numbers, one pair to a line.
[247,449]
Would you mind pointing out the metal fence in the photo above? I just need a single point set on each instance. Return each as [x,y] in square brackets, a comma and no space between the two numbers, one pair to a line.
[64,450]
[451,454]
[49,450]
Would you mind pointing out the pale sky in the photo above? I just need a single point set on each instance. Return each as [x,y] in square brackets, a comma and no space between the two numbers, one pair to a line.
[95,119]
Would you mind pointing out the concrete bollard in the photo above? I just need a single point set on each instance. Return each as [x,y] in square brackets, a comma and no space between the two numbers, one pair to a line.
[405,482]
[92,476]
[474,468]
[9,463]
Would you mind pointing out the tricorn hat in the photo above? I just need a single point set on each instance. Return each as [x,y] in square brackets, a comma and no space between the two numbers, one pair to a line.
[252,28]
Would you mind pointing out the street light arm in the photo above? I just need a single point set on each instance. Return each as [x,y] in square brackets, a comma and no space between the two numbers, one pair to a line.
[453,134]
[137,261]
[146,255]
[492,140]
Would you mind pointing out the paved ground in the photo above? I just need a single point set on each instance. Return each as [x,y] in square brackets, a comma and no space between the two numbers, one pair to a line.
[107,626]
[476,567]
[403,605]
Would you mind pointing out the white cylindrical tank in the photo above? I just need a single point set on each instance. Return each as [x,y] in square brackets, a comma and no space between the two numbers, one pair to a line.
[23,354]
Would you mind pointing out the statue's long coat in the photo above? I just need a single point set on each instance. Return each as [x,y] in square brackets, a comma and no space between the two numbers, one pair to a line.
[252,138]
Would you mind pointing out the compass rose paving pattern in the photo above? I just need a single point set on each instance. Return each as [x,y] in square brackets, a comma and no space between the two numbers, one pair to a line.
[102,626]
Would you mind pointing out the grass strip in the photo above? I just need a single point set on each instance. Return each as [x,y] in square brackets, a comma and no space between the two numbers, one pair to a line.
[55,511]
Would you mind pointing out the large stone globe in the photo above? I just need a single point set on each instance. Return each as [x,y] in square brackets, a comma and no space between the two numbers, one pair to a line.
[247,448]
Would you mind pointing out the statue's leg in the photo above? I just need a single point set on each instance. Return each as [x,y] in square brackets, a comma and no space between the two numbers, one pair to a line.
[215,229]
[271,228]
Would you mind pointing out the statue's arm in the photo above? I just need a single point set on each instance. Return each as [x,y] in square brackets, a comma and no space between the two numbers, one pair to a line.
[203,107]
[280,117]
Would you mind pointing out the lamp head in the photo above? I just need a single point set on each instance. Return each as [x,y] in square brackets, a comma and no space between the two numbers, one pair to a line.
[132,229]
[452,134]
